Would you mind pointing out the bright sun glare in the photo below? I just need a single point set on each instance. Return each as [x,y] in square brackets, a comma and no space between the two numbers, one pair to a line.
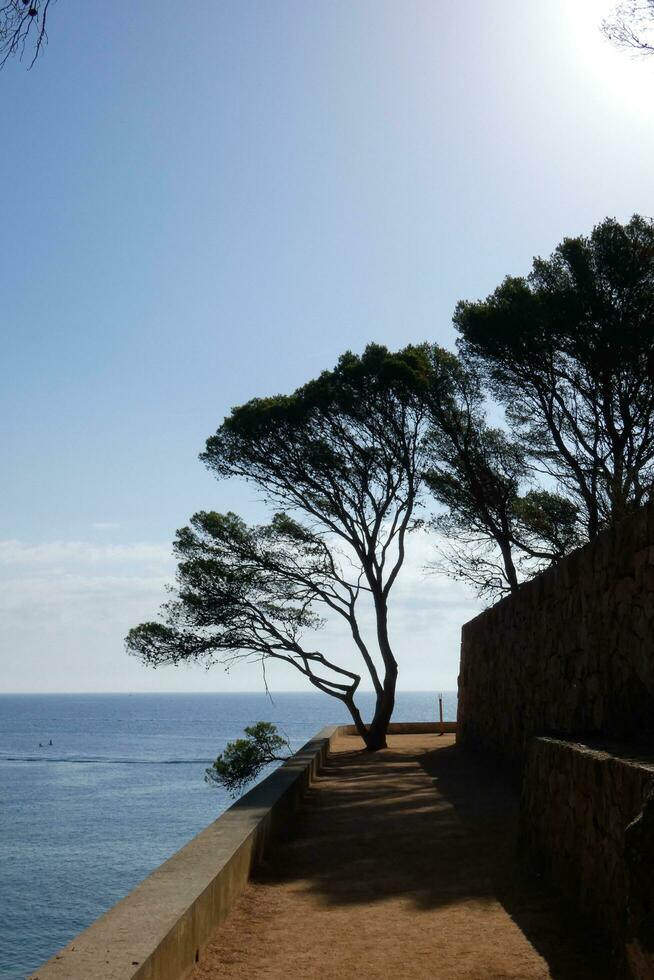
[621,76]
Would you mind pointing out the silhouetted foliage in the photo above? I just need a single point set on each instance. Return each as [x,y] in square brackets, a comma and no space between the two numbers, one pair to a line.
[245,758]
[341,460]
[631,26]
[568,352]
[23,28]
[496,529]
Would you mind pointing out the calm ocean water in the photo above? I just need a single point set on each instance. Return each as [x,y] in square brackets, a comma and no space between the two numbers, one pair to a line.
[120,789]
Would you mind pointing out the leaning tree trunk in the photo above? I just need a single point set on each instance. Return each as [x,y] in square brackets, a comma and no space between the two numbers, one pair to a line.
[376,733]
[378,728]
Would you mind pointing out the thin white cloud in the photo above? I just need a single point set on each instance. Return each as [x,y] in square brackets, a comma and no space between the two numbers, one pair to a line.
[19,554]
[63,593]
[67,606]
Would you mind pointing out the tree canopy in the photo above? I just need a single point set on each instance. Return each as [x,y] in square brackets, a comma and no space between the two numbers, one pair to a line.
[340,462]
[568,351]
[494,530]
[537,435]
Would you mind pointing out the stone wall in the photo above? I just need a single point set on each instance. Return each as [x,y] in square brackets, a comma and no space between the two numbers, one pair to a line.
[571,654]
[588,814]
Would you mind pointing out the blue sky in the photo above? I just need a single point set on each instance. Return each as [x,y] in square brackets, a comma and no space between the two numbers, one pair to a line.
[198,209]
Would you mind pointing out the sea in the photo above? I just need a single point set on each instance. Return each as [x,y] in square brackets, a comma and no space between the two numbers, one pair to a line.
[96,790]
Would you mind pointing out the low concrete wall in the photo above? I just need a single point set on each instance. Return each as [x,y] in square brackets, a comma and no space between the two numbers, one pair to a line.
[409,728]
[585,814]
[158,931]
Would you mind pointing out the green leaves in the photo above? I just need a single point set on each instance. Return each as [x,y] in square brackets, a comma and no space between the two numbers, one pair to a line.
[340,449]
[244,759]
[546,523]
[494,531]
[158,643]
[340,462]
[569,352]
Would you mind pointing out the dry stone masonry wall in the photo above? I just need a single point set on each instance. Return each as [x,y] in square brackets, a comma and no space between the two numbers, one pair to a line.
[585,815]
[571,654]
[557,687]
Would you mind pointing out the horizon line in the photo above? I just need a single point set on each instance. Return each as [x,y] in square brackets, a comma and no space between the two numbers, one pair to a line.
[11,694]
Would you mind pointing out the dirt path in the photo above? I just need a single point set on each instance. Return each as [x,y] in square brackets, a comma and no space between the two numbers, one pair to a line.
[401,865]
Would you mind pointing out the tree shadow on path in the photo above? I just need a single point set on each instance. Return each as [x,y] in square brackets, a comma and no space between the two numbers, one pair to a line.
[402,864]
[488,807]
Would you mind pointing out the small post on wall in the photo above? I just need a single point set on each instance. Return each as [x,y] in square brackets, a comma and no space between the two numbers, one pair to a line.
[440,713]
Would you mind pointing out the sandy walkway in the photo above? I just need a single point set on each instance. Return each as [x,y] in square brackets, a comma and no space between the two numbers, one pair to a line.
[400,866]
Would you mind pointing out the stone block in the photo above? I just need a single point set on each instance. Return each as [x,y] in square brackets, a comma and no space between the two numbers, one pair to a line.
[571,651]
